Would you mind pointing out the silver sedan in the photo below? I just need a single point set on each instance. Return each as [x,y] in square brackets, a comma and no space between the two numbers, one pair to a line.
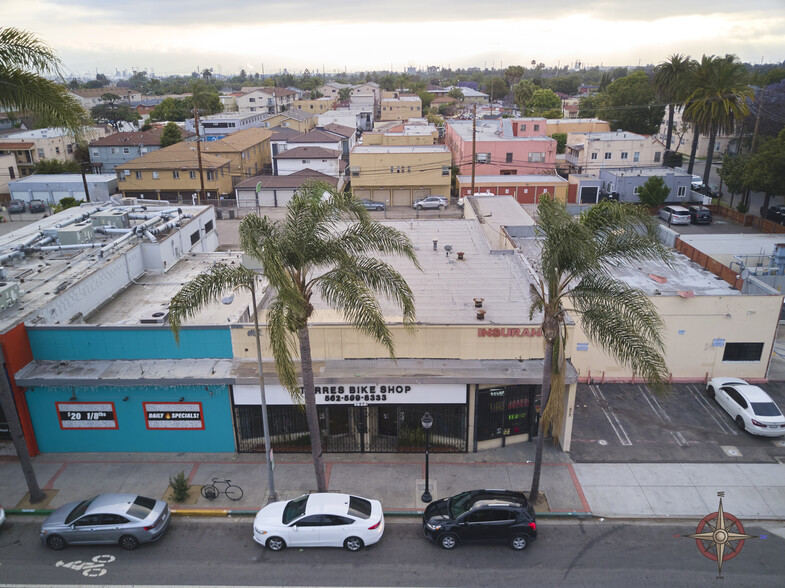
[127,519]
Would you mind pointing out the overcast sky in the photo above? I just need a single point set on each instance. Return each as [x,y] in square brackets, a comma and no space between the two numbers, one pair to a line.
[180,36]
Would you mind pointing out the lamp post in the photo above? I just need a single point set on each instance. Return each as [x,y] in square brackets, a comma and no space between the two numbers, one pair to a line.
[267,446]
[427,423]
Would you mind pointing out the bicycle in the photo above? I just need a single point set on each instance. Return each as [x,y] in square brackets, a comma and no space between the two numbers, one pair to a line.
[210,492]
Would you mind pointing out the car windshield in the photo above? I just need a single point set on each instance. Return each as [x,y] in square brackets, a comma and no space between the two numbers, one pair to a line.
[459,504]
[294,509]
[78,511]
[359,507]
[141,507]
[765,409]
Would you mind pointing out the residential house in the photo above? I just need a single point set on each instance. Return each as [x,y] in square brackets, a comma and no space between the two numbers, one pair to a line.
[92,97]
[299,120]
[365,102]
[348,137]
[400,108]
[472,96]
[359,118]
[333,89]
[326,161]
[502,146]
[173,173]
[117,149]
[315,106]
[279,142]
[217,126]
[229,101]
[626,183]
[590,152]
[525,189]
[368,88]
[143,107]
[277,191]
[30,147]
[683,134]
[9,170]
[267,100]
[398,175]
[403,134]
[52,188]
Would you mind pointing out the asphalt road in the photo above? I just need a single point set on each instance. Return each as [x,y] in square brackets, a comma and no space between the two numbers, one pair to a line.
[574,553]
[628,423]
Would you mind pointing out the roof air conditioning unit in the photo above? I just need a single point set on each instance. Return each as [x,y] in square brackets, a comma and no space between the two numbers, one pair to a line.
[159,317]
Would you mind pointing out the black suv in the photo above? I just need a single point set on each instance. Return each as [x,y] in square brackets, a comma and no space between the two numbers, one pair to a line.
[700,214]
[498,516]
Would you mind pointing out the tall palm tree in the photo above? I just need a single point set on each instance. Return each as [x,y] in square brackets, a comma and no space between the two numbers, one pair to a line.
[669,79]
[24,60]
[575,276]
[718,97]
[327,244]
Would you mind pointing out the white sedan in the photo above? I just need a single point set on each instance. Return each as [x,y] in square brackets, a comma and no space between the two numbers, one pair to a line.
[750,407]
[320,520]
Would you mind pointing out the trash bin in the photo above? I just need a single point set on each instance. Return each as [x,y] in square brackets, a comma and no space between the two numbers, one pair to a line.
[231,214]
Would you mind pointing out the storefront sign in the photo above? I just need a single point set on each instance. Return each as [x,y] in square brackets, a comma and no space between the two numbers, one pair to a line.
[494,332]
[86,415]
[359,394]
[174,415]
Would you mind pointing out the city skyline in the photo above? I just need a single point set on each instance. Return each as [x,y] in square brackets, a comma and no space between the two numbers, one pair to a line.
[179,36]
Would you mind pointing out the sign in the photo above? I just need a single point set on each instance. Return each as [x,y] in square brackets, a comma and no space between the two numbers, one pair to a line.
[174,415]
[258,187]
[358,393]
[718,343]
[583,347]
[498,332]
[86,415]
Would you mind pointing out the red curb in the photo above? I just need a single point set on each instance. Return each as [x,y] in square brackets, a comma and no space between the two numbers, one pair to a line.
[50,484]
[578,488]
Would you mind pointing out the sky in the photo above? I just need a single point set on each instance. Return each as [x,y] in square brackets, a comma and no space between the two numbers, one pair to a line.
[180,36]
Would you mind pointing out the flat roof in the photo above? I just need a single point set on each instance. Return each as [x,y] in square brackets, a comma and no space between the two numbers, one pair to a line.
[646,172]
[514,179]
[400,149]
[492,130]
[63,178]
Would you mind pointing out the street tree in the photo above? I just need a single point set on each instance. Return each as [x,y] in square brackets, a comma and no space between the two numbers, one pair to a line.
[455,93]
[575,276]
[111,111]
[327,244]
[767,170]
[171,134]
[25,60]
[544,102]
[344,94]
[522,93]
[734,173]
[561,142]
[496,88]
[653,193]
[669,84]
[514,74]
[629,103]
[588,105]
[55,166]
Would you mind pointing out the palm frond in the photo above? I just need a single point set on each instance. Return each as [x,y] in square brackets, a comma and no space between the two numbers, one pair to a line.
[284,345]
[20,49]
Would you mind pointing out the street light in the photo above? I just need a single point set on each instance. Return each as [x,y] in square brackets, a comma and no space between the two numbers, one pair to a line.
[267,446]
[427,423]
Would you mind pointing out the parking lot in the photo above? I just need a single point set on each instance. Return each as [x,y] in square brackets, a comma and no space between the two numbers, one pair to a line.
[630,423]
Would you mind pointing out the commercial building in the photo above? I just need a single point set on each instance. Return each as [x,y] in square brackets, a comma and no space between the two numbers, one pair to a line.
[52,188]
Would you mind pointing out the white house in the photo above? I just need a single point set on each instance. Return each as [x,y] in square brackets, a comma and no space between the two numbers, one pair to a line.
[326,161]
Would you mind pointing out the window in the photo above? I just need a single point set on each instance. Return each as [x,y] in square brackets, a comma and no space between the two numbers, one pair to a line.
[126,150]
[194,237]
[636,156]
[120,177]
[69,148]
[682,191]
[175,175]
[636,190]
[138,175]
[211,175]
[252,100]
[95,152]
[208,226]
[509,158]
[608,155]
[742,352]
[392,169]
[594,156]
[624,155]
[192,174]
[483,157]
[113,150]
[310,521]
[657,156]
[41,153]
[155,175]
[536,127]
[522,128]
[127,172]
[355,170]
[536,157]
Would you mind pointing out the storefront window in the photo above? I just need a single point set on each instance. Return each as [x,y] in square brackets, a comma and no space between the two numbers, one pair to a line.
[503,411]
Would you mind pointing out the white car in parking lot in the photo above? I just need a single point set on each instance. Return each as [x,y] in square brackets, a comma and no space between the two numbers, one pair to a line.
[675,214]
[749,406]
[439,202]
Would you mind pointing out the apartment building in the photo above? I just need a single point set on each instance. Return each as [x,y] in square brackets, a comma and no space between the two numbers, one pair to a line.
[117,149]
[298,120]
[590,152]
[30,147]
[267,100]
[315,106]
[400,108]
[217,126]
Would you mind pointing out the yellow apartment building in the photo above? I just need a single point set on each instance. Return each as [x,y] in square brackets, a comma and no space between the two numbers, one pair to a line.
[401,108]
[398,175]
[576,125]
[317,106]
[299,120]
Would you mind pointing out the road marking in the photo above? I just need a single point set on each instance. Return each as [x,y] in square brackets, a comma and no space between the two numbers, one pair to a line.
[92,569]
[711,410]
[611,416]
[661,414]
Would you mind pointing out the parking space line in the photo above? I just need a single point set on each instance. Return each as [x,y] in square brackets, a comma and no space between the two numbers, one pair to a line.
[711,410]
[661,414]
[611,416]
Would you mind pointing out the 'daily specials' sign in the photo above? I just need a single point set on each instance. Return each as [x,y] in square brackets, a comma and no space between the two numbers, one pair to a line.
[86,415]
[174,415]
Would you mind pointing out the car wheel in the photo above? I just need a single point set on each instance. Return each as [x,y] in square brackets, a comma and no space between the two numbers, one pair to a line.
[55,542]
[710,391]
[419,207]
[442,207]
[448,541]
[740,423]
[519,542]
[129,542]
[275,544]
[353,544]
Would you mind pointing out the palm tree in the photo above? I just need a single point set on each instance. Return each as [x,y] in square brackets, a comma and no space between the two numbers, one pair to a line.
[24,60]
[327,244]
[669,84]
[575,276]
[718,97]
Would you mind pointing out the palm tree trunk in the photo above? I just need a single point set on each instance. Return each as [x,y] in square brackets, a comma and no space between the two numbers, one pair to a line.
[670,127]
[311,415]
[709,156]
[547,371]
[694,150]
[17,436]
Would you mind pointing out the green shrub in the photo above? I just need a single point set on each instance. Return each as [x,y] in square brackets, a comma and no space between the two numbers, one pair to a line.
[180,487]
[742,208]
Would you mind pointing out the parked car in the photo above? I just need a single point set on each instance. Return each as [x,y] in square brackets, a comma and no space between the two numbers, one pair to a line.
[2,515]
[494,516]
[320,520]
[37,206]
[439,202]
[16,206]
[372,204]
[700,214]
[749,406]
[697,182]
[776,214]
[675,214]
[461,202]
[127,519]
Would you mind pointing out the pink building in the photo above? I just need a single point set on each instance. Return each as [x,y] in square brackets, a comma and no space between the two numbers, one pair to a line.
[503,146]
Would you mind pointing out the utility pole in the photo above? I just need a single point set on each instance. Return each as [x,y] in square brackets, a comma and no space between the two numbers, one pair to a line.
[474,143]
[84,181]
[753,146]
[199,154]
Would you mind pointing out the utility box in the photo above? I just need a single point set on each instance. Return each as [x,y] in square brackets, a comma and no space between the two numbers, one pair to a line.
[9,296]
[77,234]
[111,218]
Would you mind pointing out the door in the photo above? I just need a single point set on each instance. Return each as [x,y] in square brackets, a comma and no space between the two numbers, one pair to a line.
[488,524]
[387,418]
[306,532]
[113,527]
[334,530]
[87,529]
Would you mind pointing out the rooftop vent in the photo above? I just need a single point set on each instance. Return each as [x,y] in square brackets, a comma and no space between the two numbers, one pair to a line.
[159,317]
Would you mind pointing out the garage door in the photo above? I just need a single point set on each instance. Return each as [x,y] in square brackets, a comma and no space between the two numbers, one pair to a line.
[420,194]
[589,194]
[381,196]
[402,198]
[362,194]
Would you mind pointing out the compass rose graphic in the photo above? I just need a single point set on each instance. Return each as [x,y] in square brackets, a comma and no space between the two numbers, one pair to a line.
[720,536]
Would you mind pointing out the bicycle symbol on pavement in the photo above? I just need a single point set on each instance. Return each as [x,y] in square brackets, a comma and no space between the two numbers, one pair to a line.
[91,569]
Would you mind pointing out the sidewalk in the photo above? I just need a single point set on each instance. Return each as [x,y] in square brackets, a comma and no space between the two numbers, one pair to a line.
[752,491]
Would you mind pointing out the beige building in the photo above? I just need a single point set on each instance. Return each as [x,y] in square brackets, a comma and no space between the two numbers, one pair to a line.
[316,106]
[30,147]
[576,125]
[590,152]
[398,175]
[267,100]
[682,136]
[173,173]
[8,171]
[400,107]
[403,134]
[298,120]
